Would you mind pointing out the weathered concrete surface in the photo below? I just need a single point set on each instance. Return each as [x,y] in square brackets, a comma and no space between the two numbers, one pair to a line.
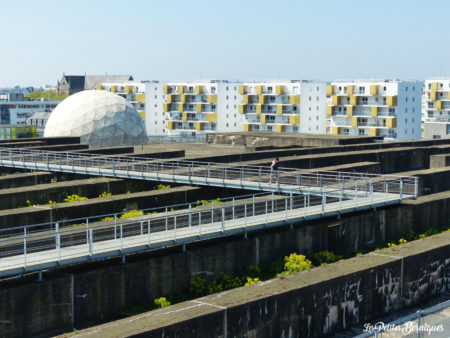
[439,161]
[308,304]
[47,140]
[271,139]
[103,289]
[43,193]
[116,203]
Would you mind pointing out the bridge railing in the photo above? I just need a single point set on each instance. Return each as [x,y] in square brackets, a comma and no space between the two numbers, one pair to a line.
[162,229]
[195,172]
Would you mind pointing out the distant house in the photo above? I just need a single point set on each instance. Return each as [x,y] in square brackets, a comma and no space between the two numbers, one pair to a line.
[71,84]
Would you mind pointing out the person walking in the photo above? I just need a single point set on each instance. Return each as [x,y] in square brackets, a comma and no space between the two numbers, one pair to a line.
[274,169]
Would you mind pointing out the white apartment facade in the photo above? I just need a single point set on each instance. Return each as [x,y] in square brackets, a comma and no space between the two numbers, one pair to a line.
[193,108]
[132,91]
[436,108]
[387,108]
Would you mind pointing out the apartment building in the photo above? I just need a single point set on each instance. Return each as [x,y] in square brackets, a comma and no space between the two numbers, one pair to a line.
[193,108]
[132,91]
[15,108]
[388,108]
[436,108]
[281,106]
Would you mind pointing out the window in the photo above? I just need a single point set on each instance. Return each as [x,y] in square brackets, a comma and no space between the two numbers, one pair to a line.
[156,96]
[436,137]
[235,97]
[235,124]
[406,99]
[227,106]
[406,110]
[317,118]
[310,98]
[227,115]
[406,120]
[317,98]
[269,128]
[227,88]
[413,99]
[227,97]
[295,129]
[406,88]
[448,129]
[317,88]
[384,88]
[227,125]
[413,120]
[234,106]
[269,89]
[234,115]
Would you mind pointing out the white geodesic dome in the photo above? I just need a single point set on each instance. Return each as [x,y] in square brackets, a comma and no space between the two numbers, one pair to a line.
[99,117]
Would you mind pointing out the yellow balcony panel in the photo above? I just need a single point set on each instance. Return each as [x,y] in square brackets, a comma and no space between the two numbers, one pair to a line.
[198,90]
[246,127]
[329,110]
[180,107]
[335,100]
[263,118]
[242,89]
[181,89]
[448,96]
[258,109]
[211,117]
[211,98]
[350,89]
[199,126]
[279,109]
[279,90]
[169,98]
[374,89]
[245,99]
[294,119]
[294,99]
[183,98]
[140,97]
[335,130]
[166,89]
[129,89]
[241,109]
[354,100]
[373,132]
[439,105]
[184,116]
[142,114]
[373,111]
[433,96]
[279,128]
[166,106]
[391,101]
[330,90]
[113,89]
[391,122]
[199,107]
[170,125]
[100,87]
[354,121]
[350,111]
[262,99]
[259,89]
[434,86]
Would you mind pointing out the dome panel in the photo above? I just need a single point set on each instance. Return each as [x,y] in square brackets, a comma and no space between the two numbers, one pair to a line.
[99,118]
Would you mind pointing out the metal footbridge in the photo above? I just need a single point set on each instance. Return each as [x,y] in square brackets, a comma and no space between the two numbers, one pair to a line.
[292,197]
[284,180]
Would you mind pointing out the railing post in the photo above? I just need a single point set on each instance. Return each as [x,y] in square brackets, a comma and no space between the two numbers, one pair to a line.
[341,192]
[157,170]
[272,202]
[223,220]
[224,174]
[419,322]
[242,174]
[259,177]
[175,228]
[148,231]
[190,215]
[87,227]
[304,205]
[416,187]
[199,223]
[266,212]
[115,226]
[253,205]
[91,243]
[401,188]
[189,172]
[291,200]
[167,218]
[25,248]
[232,204]
[386,188]
[324,199]
[356,193]
[286,207]
[142,228]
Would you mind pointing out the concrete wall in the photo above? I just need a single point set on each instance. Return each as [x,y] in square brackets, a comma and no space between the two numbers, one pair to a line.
[309,304]
[439,161]
[101,290]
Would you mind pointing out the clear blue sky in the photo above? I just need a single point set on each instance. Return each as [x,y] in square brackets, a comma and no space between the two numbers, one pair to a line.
[187,39]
